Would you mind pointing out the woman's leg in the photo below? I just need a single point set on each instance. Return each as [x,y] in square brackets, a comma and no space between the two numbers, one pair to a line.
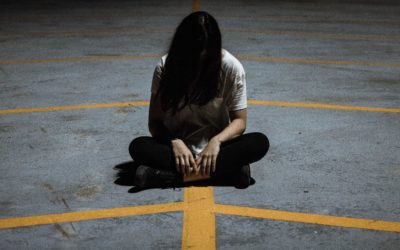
[157,165]
[233,155]
[153,153]
[240,151]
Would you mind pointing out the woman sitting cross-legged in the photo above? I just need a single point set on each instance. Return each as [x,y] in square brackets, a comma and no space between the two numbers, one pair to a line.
[198,113]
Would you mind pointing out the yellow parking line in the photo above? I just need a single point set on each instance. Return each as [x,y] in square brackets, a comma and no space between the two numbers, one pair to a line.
[317,19]
[324,106]
[130,15]
[101,32]
[145,103]
[199,219]
[89,215]
[127,31]
[322,35]
[318,61]
[77,59]
[242,57]
[326,220]
[72,107]
[195,5]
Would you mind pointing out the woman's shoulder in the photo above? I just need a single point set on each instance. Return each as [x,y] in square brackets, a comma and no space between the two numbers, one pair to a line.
[230,63]
[161,63]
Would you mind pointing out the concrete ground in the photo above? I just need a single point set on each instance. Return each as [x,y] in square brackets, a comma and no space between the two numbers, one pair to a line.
[325,162]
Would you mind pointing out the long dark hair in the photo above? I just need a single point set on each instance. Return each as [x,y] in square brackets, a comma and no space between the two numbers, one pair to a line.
[193,64]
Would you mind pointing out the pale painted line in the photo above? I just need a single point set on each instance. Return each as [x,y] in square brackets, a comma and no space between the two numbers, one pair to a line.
[327,220]
[247,58]
[89,215]
[146,103]
[318,61]
[77,59]
[199,219]
[195,5]
[324,106]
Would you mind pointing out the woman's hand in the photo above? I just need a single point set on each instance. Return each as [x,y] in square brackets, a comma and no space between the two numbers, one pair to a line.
[207,159]
[184,159]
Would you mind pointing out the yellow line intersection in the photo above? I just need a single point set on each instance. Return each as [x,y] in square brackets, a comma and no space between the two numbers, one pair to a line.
[199,223]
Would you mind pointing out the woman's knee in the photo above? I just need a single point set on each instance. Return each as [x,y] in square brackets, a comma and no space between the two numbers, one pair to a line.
[260,143]
[137,146]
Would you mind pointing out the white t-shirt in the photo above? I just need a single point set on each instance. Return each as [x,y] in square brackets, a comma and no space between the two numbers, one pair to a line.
[196,125]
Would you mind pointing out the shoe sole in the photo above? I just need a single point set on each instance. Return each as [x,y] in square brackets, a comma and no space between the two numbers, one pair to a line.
[141,177]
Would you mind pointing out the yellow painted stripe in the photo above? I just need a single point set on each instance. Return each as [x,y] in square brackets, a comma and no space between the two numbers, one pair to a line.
[101,32]
[199,219]
[195,5]
[145,103]
[324,106]
[72,107]
[318,19]
[125,31]
[89,215]
[327,220]
[105,16]
[247,58]
[318,61]
[322,35]
[77,59]
[131,15]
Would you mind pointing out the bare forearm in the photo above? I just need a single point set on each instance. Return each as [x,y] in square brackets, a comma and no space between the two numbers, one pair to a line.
[234,129]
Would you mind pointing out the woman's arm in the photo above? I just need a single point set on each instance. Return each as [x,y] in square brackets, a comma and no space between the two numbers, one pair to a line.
[156,117]
[207,159]
[235,128]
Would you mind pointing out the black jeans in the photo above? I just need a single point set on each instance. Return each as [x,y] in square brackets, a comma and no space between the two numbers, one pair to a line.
[233,154]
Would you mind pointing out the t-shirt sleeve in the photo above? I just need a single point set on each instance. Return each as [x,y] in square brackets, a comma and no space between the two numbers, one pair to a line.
[238,99]
[155,84]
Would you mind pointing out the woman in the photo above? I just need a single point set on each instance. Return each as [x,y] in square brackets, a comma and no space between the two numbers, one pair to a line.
[198,113]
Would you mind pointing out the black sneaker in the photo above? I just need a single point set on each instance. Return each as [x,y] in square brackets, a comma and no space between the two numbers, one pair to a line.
[149,177]
[244,179]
